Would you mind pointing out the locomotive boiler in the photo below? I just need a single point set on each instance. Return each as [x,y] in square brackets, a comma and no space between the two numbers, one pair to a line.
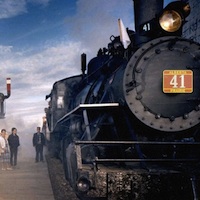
[128,127]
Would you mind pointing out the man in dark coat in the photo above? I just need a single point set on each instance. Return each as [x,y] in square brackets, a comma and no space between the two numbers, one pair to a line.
[13,141]
[38,143]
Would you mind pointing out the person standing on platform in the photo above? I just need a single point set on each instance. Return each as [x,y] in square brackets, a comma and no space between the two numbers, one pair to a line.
[38,143]
[6,153]
[13,141]
[2,150]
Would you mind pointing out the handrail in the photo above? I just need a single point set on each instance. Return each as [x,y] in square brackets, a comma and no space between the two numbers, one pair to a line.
[135,142]
[145,160]
[97,160]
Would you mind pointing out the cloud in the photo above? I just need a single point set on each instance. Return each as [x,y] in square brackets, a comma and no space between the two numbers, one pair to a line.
[40,2]
[33,74]
[4,50]
[95,28]
[11,8]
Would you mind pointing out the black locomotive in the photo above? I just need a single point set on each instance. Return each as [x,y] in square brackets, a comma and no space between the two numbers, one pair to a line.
[129,128]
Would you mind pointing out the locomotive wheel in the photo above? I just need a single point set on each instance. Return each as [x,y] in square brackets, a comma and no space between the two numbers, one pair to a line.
[143,84]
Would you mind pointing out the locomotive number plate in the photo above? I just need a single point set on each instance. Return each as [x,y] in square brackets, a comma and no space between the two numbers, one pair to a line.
[177,81]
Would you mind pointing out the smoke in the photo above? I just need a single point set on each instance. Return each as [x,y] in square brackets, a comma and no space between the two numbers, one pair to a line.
[25,131]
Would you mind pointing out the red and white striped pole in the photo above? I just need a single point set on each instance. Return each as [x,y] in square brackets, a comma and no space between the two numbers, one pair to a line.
[8,83]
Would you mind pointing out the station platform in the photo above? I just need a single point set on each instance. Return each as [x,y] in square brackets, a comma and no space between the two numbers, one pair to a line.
[27,181]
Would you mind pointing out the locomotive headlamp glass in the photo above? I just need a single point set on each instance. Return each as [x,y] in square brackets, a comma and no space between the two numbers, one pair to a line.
[170,21]
[83,184]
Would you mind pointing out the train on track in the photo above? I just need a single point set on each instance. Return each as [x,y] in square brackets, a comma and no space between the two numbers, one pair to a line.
[128,127]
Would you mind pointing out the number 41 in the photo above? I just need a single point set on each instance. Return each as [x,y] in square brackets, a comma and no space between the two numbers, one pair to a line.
[174,81]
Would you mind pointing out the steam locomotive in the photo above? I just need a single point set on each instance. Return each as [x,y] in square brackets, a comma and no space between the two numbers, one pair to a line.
[129,127]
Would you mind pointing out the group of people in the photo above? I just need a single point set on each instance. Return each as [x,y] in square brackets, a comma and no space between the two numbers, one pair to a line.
[9,147]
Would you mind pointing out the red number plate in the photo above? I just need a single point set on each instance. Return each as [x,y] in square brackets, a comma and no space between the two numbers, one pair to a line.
[177,81]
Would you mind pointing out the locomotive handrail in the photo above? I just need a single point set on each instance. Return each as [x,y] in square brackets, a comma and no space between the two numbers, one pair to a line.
[81,107]
[97,160]
[144,160]
[135,142]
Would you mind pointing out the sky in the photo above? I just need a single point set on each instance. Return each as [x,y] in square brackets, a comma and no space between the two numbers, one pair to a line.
[41,42]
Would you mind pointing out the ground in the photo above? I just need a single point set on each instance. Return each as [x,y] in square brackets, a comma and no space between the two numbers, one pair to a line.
[61,188]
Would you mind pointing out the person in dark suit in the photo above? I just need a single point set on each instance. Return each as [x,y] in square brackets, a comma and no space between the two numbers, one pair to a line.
[13,141]
[38,143]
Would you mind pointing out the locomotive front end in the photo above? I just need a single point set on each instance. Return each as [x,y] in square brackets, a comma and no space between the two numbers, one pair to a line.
[161,84]
[129,127]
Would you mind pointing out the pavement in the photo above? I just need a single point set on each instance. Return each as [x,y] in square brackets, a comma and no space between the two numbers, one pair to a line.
[27,181]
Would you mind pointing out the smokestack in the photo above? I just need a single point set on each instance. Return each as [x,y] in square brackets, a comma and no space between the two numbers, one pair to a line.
[145,10]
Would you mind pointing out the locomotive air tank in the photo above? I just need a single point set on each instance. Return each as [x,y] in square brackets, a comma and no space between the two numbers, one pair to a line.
[128,126]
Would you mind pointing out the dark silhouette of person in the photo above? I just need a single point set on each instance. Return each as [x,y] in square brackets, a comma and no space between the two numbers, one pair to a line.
[38,143]
[13,141]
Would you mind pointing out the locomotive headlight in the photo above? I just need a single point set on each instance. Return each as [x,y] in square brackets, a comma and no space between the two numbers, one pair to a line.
[170,21]
[83,184]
